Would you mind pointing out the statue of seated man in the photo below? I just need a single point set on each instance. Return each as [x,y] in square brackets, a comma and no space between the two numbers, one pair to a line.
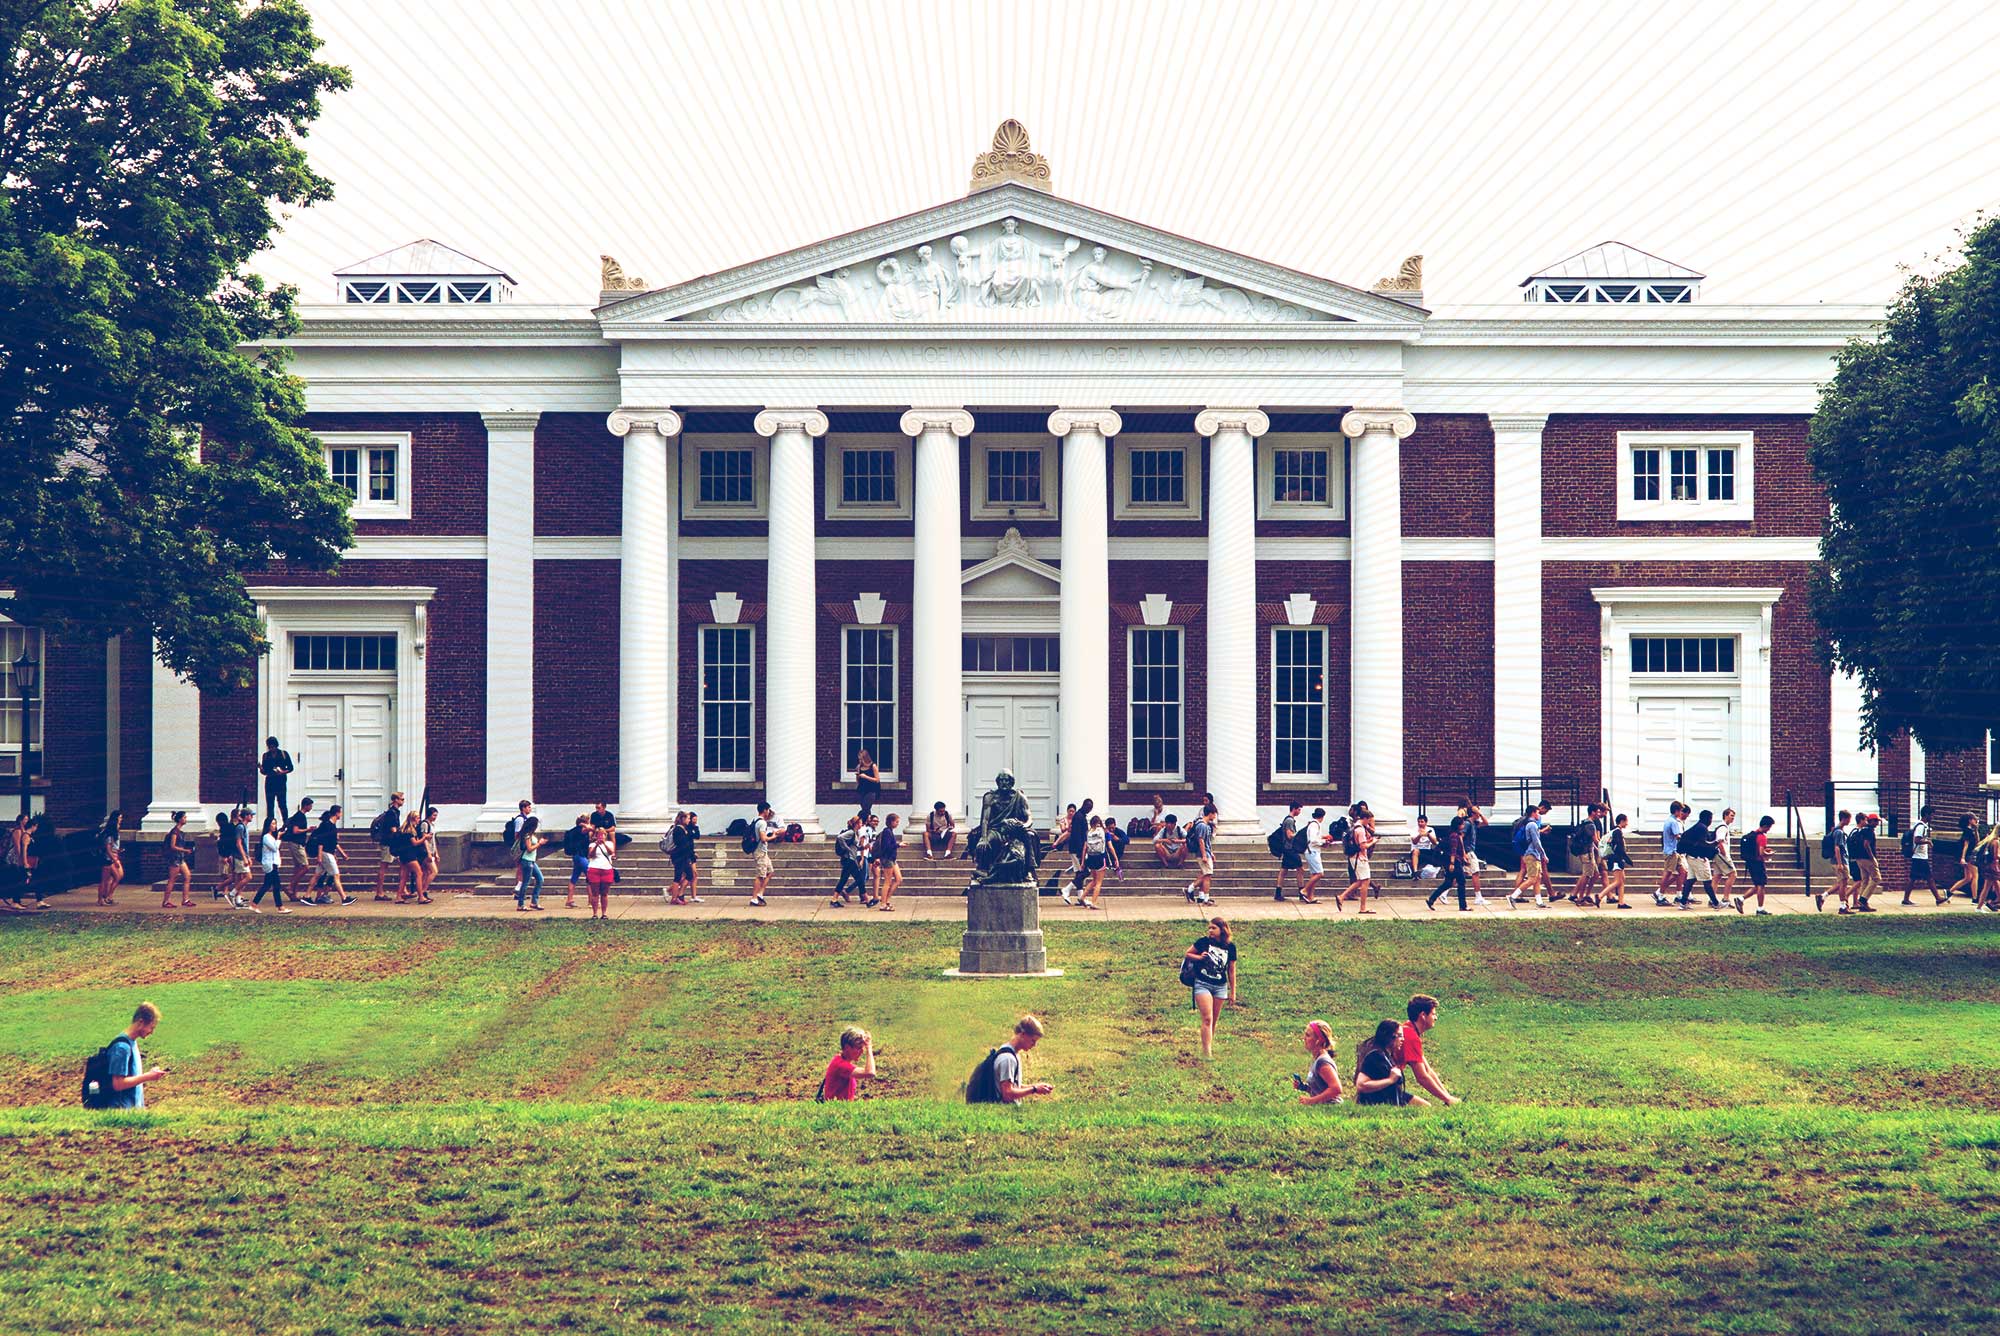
[1005,850]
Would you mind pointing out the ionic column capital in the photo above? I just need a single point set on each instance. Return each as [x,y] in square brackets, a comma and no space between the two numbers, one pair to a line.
[810,421]
[1252,422]
[662,420]
[1518,424]
[954,420]
[1100,420]
[1378,421]
[512,419]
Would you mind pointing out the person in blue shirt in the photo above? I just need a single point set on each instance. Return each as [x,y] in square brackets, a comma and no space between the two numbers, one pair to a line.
[129,1075]
[1534,858]
[1670,852]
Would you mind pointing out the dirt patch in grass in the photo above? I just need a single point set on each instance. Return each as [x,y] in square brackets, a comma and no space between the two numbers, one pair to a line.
[1872,1087]
[165,961]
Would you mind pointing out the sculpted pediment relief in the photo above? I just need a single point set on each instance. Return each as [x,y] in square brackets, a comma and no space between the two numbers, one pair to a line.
[1010,270]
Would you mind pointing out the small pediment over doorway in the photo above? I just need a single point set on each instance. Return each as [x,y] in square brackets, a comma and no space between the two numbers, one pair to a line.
[1010,591]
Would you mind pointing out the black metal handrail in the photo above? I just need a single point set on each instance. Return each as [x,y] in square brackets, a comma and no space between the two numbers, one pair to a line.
[1795,829]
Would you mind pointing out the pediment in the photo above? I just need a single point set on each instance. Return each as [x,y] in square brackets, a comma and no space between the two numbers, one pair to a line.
[1008,256]
[1012,577]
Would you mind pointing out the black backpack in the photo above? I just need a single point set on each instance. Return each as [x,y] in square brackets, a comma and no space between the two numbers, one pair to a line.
[1829,846]
[1276,839]
[1579,840]
[1909,844]
[1301,840]
[1190,971]
[983,1086]
[1350,843]
[97,1091]
[1747,846]
[1337,830]
[383,828]
[750,839]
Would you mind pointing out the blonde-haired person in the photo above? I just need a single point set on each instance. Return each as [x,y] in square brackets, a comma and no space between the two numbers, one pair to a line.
[882,860]
[1214,981]
[854,1064]
[1321,1084]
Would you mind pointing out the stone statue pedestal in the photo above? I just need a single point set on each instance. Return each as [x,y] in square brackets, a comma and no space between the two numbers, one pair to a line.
[1003,934]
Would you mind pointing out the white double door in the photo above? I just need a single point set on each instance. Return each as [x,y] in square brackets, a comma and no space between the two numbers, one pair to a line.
[1014,732]
[1689,750]
[346,753]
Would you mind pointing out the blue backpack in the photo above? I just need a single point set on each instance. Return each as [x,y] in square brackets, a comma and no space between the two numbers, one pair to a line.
[1521,837]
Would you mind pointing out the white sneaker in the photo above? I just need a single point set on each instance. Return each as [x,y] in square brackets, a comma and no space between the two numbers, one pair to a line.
[1541,902]
[1479,900]
[696,900]
[1065,896]
[253,909]
[1659,900]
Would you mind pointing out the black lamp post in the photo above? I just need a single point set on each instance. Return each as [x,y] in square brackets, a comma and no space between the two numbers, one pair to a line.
[25,670]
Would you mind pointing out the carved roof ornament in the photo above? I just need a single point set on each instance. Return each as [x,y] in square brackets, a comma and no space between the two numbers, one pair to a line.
[1409,278]
[1011,545]
[1009,160]
[615,279]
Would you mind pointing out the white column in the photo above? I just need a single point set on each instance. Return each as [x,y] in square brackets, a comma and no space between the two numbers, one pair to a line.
[646,616]
[1375,605]
[937,772]
[1517,594]
[790,718]
[510,614]
[1233,644]
[1852,761]
[1083,732]
[176,749]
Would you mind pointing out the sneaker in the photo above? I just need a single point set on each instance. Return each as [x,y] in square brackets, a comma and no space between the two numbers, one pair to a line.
[1764,912]
[1659,900]
[1541,902]
[1845,910]
[1278,894]
[1479,900]
[1819,902]
[283,910]
[696,900]
[1190,895]
[348,900]
[253,909]
[756,901]
[1864,908]
[1065,897]
[1737,901]
[1982,909]
[1513,897]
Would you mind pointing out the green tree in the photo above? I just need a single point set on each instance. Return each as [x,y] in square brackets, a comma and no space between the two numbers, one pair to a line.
[148,461]
[1906,441]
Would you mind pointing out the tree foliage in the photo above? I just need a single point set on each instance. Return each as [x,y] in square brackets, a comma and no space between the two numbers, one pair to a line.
[149,460]
[1906,441]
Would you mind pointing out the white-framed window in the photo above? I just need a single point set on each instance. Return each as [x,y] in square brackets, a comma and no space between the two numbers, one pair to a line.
[868,697]
[374,468]
[1711,656]
[319,652]
[1993,756]
[15,642]
[868,476]
[1014,477]
[1156,477]
[1701,476]
[1302,475]
[1011,654]
[724,476]
[1153,700]
[728,702]
[1298,703]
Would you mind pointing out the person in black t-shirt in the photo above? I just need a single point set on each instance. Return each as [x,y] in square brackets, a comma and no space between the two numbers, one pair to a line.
[1378,1072]
[297,826]
[1214,955]
[276,765]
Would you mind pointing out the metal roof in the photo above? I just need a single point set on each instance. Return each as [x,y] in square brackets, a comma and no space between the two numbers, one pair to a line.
[1613,260]
[422,258]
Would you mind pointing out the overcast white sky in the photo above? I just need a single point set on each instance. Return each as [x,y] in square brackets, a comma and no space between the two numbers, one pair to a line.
[1792,152]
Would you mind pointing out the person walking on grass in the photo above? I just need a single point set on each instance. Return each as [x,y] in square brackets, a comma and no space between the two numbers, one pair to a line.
[888,876]
[1001,1078]
[128,1073]
[531,867]
[110,857]
[179,850]
[1755,846]
[1321,1083]
[324,844]
[599,870]
[1378,1069]
[1454,866]
[1920,858]
[1214,983]
[854,1064]
[763,829]
[1670,853]
[1617,859]
[1968,858]
[1201,848]
[1422,1012]
[270,850]
[297,827]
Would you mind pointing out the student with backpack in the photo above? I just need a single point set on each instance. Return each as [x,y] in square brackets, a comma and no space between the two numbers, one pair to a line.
[298,828]
[1287,843]
[1454,866]
[682,849]
[1698,859]
[1755,847]
[383,830]
[1315,867]
[1209,970]
[1617,858]
[116,1077]
[998,1078]
[1358,840]
[324,846]
[757,843]
[1670,852]
[1917,849]
[1201,848]
[1833,848]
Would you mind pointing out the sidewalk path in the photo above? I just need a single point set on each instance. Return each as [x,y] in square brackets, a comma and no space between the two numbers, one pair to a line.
[939,909]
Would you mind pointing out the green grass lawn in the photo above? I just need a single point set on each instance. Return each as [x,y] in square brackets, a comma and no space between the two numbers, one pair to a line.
[1784,1125]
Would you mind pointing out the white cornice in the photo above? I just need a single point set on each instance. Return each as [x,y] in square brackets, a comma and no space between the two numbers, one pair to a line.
[1533,325]
[1621,595]
[341,593]
[1627,547]
[643,314]
[416,547]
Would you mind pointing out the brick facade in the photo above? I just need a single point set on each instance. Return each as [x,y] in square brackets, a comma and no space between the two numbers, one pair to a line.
[1580,477]
[447,469]
[1326,581]
[1184,582]
[135,725]
[579,476]
[73,730]
[1447,671]
[700,582]
[576,681]
[841,582]
[1448,477]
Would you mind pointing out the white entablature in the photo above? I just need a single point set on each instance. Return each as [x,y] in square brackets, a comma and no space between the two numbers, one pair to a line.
[1002,258]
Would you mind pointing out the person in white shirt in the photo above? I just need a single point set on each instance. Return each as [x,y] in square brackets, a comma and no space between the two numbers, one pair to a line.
[271,850]
[766,828]
[1920,858]
[1725,855]
[1315,867]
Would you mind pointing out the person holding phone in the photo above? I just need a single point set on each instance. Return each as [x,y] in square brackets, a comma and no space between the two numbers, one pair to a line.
[1321,1084]
[129,1074]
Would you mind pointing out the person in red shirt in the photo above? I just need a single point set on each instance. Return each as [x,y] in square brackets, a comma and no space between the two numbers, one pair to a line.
[855,1064]
[1423,1015]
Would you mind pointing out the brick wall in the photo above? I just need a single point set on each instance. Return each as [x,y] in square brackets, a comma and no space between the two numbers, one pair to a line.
[1326,581]
[135,725]
[73,730]
[842,582]
[1951,783]
[1580,476]
[447,469]
[1447,477]
[576,681]
[701,581]
[230,746]
[579,474]
[1184,582]
[1801,701]
[1447,670]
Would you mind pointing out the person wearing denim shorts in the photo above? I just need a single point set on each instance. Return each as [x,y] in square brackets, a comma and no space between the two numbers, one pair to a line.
[1214,983]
